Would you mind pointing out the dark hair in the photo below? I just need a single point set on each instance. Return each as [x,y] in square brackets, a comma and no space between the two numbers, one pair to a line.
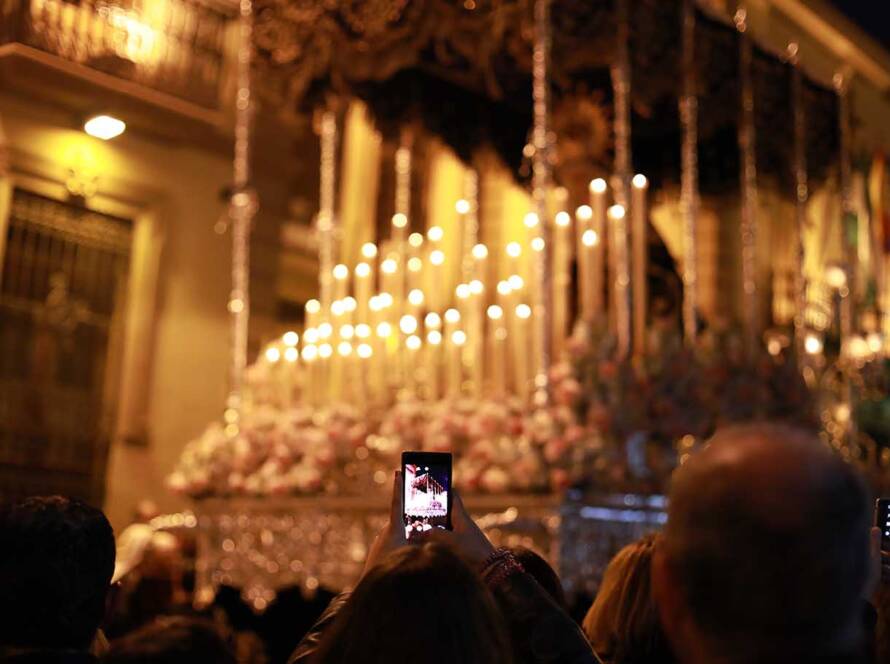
[172,640]
[56,562]
[768,536]
[622,625]
[418,597]
[540,569]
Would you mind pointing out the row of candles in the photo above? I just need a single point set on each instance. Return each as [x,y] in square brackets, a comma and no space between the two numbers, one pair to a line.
[394,322]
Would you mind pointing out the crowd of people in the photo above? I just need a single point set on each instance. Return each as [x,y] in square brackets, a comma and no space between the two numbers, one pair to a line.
[768,556]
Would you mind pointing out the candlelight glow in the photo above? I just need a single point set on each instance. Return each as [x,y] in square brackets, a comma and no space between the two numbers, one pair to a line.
[495,312]
[415,264]
[462,206]
[639,181]
[459,337]
[463,291]
[617,212]
[437,257]
[452,316]
[399,220]
[341,271]
[415,297]
[362,270]
[369,250]
[385,300]
[349,304]
[347,332]
[434,337]
[309,353]
[325,330]
[477,287]
[291,354]
[516,282]
[563,219]
[584,213]
[523,311]
[432,320]
[273,354]
[365,351]
[413,342]
[538,244]
[415,240]
[504,287]
[589,238]
[598,186]
[408,324]
[313,307]
[384,330]
[480,251]
[514,250]
[435,233]
[310,336]
[325,351]
[812,344]
[363,330]
[290,338]
[531,220]
[344,349]
[337,308]
[835,276]
[389,266]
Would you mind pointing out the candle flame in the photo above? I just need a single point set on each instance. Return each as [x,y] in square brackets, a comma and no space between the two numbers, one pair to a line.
[598,186]
[480,251]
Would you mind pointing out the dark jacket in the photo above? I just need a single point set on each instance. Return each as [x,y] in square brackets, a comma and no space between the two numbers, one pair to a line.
[541,632]
[49,657]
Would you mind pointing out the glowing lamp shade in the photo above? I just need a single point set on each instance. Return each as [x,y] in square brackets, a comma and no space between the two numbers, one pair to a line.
[105,127]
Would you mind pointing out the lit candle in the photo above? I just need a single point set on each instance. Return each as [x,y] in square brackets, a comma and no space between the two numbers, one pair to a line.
[341,281]
[523,314]
[362,290]
[562,280]
[586,238]
[455,339]
[433,326]
[640,252]
[598,189]
[497,339]
[622,279]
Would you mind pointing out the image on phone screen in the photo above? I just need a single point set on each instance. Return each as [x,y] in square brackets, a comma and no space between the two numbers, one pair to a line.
[882,521]
[427,487]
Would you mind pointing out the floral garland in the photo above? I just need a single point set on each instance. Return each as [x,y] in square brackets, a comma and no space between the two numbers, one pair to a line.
[614,426]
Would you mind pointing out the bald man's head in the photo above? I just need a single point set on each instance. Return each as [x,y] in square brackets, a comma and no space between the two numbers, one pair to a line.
[767,541]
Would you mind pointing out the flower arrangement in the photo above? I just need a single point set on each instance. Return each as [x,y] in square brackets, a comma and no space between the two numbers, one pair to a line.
[610,425]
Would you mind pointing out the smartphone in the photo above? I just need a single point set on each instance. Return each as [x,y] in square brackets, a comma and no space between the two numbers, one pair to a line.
[882,521]
[426,491]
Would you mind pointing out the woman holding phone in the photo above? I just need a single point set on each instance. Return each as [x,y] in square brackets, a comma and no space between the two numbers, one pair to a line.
[450,598]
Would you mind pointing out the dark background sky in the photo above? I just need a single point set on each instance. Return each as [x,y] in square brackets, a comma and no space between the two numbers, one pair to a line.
[872,15]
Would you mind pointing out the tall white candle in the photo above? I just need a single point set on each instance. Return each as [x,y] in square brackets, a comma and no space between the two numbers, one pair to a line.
[598,204]
[562,280]
[497,344]
[640,261]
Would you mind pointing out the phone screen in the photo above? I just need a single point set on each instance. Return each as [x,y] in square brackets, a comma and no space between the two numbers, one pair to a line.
[426,490]
[882,521]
